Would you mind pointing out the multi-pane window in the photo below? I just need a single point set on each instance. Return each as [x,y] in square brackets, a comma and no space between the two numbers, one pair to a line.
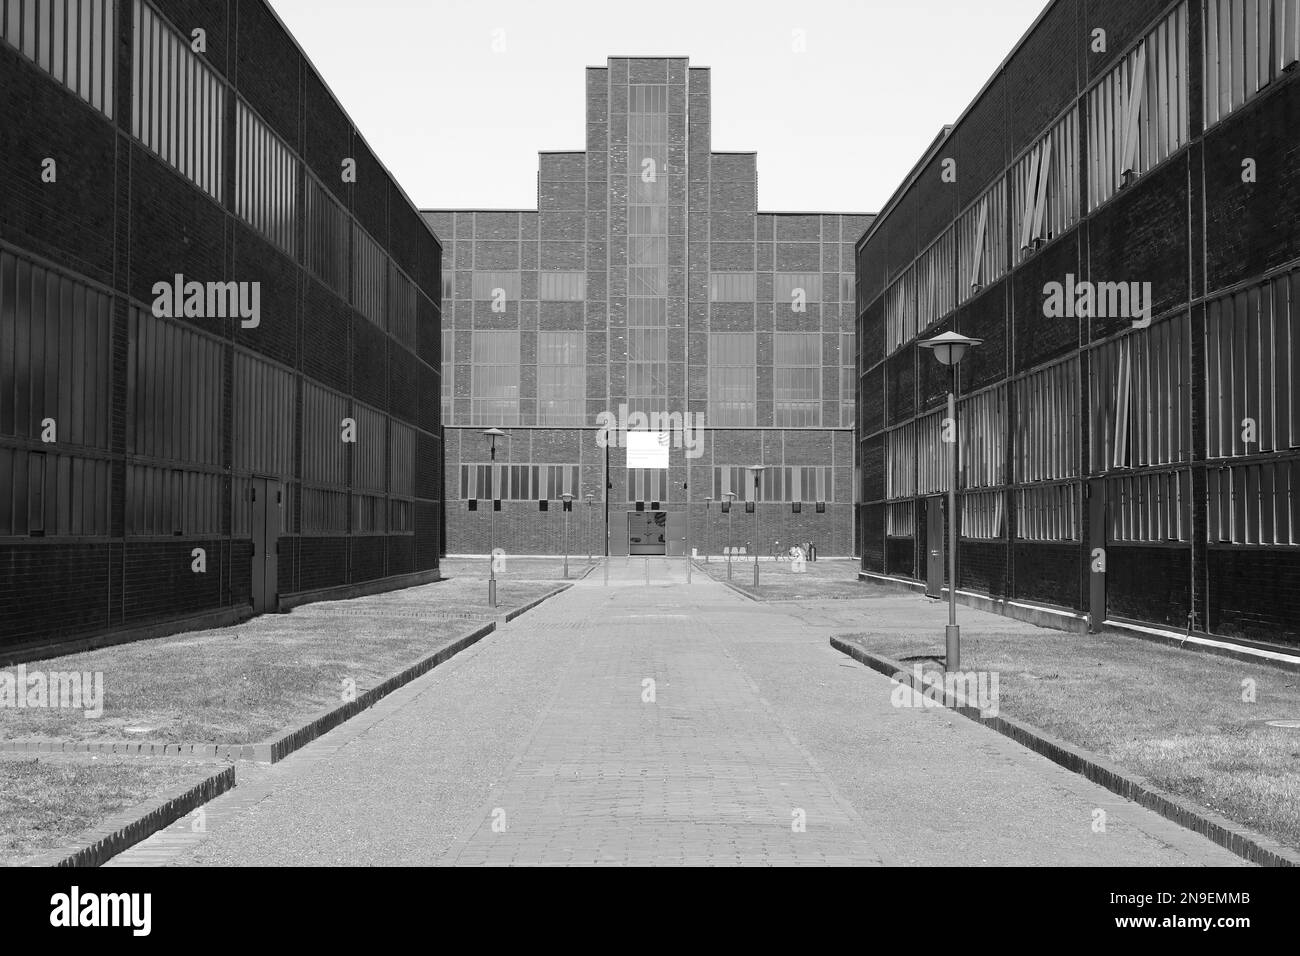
[982,242]
[848,288]
[982,515]
[982,436]
[369,477]
[936,290]
[1048,513]
[933,470]
[261,432]
[327,237]
[1047,423]
[900,519]
[732,379]
[1254,504]
[647,247]
[171,501]
[369,276]
[71,41]
[266,180]
[494,398]
[900,311]
[778,483]
[900,454]
[848,378]
[732,287]
[561,378]
[178,101]
[1137,114]
[509,482]
[1045,187]
[1149,508]
[796,380]
[448,374]
[647,484]
[647,265]
[495,287]
[1252,370]
[401,481]
[795,289]
[647,368]
[401,306]
[567,286]
[1140,386]
[1248,44]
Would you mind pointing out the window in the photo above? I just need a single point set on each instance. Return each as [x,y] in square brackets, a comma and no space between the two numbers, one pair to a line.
[732,287]
[900,455]
[327,238]
[75,46]
[848,288]
[324,511]
[1254,504]
[495,287]
[369,276]
[167,501]
[262,426]
[900,311]
[900,519]
[401,306]
[1137,114]
[982,434]
[933,471]
[324,454]
[647,484]
[1048,513]
[982,242]
[935,280]
[509,482]
[647,98]
[495,378]
[848,378]
[1248,44]
[796,380]
[647,265]
[1252,364]
[448,374]
[562,286]
[1150,508]
[266,180]
[561,378]
[1140,387]
[732,379]
[170,415]
[1047,423]
[779,483]
[792,288]
[982,515]
[1045,187]
[178,102]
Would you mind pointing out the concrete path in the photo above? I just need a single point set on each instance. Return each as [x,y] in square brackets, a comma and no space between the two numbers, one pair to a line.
[666,724]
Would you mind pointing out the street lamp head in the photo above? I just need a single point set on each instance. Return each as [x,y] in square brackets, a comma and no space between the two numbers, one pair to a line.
[730,494]
[950,347]
[566,496]
[590,497]
[493,433]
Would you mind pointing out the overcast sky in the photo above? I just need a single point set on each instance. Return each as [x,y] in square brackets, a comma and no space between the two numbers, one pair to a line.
[456,97]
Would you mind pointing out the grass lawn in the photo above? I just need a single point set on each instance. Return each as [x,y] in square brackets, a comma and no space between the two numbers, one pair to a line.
[46,801]
[824,579]
[244,684]
[521,568]
[1173,716]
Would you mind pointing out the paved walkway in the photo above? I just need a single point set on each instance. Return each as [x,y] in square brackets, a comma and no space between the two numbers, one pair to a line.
[666,724]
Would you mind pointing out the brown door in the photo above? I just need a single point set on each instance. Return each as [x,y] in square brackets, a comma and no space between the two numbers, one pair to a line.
[934,546]
[266,504]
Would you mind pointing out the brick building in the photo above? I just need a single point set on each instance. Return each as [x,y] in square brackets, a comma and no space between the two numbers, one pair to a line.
[170,460]
[647,279]
[1129,461]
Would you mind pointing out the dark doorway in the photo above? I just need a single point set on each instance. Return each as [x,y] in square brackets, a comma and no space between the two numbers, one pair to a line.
[934,546]
[267,503]
[647,532]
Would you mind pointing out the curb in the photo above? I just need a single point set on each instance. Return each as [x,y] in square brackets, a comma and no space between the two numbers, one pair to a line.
[1233,837]
[278,747]
[126,829]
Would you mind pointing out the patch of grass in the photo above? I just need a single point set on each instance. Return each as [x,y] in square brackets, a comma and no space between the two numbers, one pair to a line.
[1173,716]
[246,683]
[46,801]
[825,579]
[520,568]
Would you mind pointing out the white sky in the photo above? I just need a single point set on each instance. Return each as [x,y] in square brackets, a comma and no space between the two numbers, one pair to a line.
[836,127]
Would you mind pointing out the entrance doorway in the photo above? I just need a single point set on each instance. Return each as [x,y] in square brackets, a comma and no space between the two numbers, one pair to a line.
[934,546]
[267,502]
[647,532]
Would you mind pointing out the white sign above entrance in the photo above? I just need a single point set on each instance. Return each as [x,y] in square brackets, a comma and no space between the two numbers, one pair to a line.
[647,449]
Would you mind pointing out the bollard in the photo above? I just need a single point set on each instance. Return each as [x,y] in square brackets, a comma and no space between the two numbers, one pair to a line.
[492,581]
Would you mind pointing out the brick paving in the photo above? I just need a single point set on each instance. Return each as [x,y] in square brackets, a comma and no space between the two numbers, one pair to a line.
[761,745]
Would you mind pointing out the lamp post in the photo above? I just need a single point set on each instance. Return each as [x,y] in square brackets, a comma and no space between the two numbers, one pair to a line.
[757,472]
[708,505]
[568,506]
[949,348]
[727,506]
[587,534]
[492,434]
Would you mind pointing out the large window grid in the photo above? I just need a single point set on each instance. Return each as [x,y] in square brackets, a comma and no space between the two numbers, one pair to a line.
[647,248]
[732,287]
[1048,513]
[266,180]
[509,482]
[1045,187]
[1254,504]
[1248,44]
[791,287]
[935,280]
[561,378]
[1149,508]
[848,378]
[448,374]
[494,378]
[565,286]
[780,483]
[72,42]
[369,276]
[982,242]
[983,515]
[647,484]
[1047,423]
[900,457]
[900,311]
[496,286]
[178,101]
[796,380]
[327,237]
[982,433]
[900,519]
[733,390]
[1137,114]
[933,472]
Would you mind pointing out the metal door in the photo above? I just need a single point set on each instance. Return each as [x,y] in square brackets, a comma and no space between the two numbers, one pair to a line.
[267,500]
[934,546]
[1097,541]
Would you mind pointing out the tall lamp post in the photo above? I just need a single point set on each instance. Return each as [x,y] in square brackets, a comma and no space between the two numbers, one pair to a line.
[949,348]
[568,506]
[492,434]
[727,506]
[757,472]
[587,534]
